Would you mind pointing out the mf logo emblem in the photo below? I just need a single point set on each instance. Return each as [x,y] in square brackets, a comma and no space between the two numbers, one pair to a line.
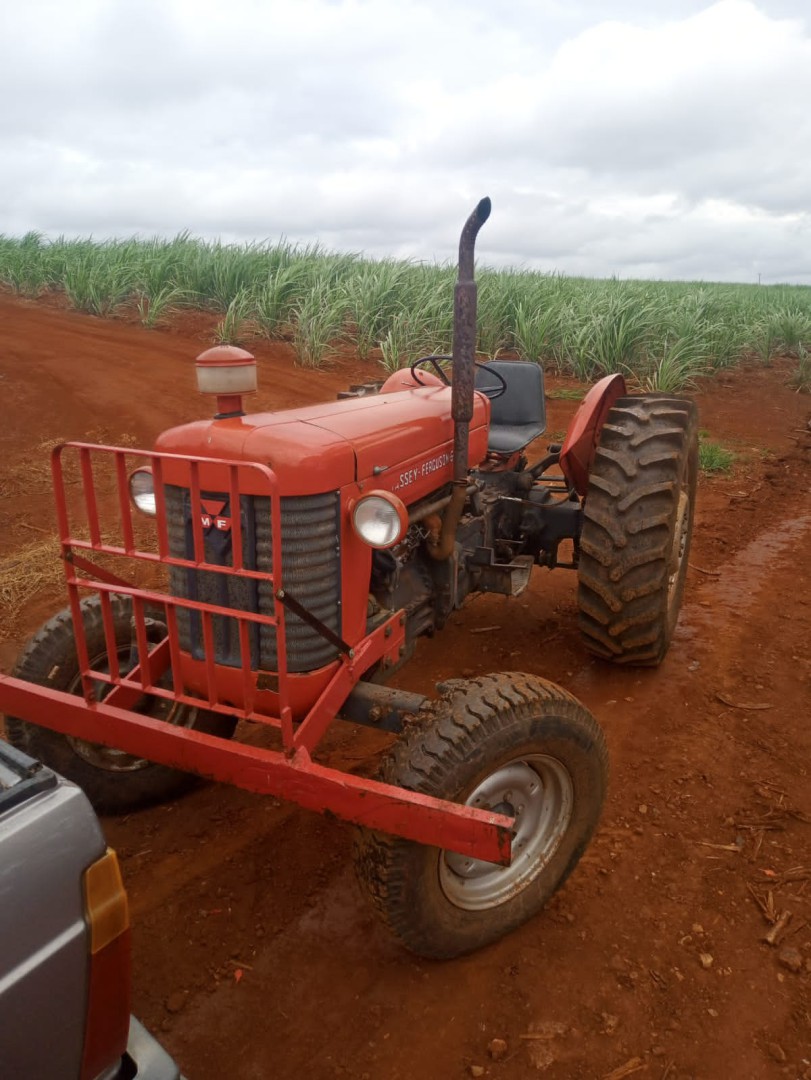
[212,515]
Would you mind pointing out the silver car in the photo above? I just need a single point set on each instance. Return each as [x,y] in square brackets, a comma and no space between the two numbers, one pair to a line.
[64,938]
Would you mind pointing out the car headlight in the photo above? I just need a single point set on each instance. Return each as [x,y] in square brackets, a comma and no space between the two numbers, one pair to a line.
[142,491]
[380,519]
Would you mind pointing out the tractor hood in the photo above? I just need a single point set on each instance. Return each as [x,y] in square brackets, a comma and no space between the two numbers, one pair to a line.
[402,441]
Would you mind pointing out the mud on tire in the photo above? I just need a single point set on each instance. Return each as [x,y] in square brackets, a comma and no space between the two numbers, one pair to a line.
[637,527]
[114,782]
[509,742]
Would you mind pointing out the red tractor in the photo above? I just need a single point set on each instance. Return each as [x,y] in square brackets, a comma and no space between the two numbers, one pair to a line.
[299,555]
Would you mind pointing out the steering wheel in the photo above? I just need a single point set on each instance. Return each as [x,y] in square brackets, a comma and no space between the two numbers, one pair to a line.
[436,360]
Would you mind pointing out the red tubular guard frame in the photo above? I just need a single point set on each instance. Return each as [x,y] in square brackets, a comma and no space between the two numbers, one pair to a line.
[290,772]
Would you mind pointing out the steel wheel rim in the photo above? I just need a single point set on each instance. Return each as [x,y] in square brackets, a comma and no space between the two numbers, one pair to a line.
[538,791]
[680,534]
[107,757]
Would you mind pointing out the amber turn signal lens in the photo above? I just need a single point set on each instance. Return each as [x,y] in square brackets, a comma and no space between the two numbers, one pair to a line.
[105,901]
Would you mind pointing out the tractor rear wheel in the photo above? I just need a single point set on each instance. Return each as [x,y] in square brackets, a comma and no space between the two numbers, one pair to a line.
[114,782]
[637,526]
[510,743]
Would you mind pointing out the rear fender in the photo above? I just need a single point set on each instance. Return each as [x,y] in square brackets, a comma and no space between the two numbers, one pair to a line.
[583,436]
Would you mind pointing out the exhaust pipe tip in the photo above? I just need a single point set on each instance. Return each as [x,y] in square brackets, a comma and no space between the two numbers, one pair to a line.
[467,241]
[482,211]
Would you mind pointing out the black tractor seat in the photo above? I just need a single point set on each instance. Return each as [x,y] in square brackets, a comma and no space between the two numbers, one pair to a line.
[519,415]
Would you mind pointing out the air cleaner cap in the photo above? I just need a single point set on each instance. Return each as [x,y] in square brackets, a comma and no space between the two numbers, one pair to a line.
[226,369]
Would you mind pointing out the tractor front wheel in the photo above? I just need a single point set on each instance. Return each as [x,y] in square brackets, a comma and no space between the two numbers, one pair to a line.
[637,526]
[114,782]
[510,743]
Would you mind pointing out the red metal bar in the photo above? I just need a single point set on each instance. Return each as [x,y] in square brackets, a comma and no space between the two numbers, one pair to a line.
[174,645]
[477,833]
[208,652]
[124,504]
[79,562]
[160,509]
[199,544]
[285,712]
[386,639]
[91,502]
[130,687]
[236,519]
[109,636]
[286,725]
[58,474]
[245,661]
[150,557]
[141,641]
[88,687]
[149,596]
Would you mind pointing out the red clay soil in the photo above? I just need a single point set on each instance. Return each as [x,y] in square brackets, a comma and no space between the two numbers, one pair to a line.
[256,954]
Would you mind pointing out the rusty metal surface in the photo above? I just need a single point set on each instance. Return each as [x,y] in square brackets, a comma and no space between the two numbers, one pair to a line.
[381,707]
[464,340]
[467,240]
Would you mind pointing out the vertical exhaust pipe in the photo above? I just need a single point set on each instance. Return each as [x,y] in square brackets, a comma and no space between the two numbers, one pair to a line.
[464,341]
[464,371]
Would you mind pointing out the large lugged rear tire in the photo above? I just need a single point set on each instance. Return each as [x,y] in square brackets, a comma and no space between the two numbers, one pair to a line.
[508,742]
[113,781]
[638,522]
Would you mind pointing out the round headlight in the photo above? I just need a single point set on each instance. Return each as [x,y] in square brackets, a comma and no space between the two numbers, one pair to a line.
[142,491]
[380,519]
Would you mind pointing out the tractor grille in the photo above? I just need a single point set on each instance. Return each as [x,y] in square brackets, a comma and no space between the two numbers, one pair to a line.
[311,567]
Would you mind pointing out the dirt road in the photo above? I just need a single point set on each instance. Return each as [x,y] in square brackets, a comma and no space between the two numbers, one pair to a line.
[256,955]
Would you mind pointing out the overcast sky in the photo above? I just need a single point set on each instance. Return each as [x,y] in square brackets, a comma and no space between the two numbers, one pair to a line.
[642,139]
